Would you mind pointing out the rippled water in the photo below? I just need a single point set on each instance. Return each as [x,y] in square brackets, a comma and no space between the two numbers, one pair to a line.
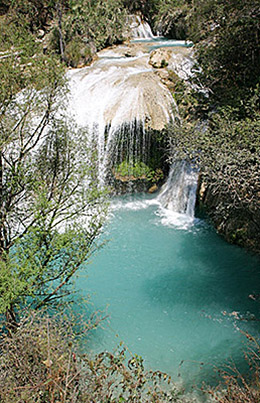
[175,292]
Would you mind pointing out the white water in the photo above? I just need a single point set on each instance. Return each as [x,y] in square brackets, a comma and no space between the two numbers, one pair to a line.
[179,192]
[177,198]
[118,98]
[140,29]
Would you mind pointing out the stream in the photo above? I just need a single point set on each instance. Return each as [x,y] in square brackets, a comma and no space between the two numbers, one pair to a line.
[175,292]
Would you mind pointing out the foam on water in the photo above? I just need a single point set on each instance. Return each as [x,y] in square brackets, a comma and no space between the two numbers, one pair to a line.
[175,201]
[178,298]
[134,205]
[164,216]
[173,219]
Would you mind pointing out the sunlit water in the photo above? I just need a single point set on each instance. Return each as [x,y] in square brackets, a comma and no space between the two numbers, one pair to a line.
[175,292]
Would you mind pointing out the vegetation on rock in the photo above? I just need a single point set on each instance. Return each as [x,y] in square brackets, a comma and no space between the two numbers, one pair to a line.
[219,127]
[75,30]
[227,152]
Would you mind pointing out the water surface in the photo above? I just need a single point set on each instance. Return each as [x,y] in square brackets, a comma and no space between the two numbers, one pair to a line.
[176,292]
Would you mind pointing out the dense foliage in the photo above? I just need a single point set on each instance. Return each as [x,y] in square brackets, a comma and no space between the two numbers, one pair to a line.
[227,38]
[219,125]
[229,49]
[41,363]
[171,19]
[72,29]
[227,152]
[50,208]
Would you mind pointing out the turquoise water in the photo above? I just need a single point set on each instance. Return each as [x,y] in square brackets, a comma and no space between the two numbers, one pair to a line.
[161,42]
[175,292]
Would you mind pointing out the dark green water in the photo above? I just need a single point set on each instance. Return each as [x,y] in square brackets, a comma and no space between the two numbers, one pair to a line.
[175,292]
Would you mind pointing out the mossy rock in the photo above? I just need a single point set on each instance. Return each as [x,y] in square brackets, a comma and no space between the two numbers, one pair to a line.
[137,170]
[159,58]
[136,177]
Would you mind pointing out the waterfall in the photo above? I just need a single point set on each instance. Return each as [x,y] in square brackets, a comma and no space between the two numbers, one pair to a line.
[140,29]
[122,101]
[119,99]
[179,192]
[176,201]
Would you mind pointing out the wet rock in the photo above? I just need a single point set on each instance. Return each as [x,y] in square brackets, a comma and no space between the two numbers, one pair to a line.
[160,58]
[179,60]
[202,190]
[237,225]
[163,74]
[182,62]
[153,189]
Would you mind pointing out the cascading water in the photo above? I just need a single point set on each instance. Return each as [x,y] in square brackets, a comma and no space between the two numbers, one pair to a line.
[140,29]
[179,192]
[181,294]
[119,99]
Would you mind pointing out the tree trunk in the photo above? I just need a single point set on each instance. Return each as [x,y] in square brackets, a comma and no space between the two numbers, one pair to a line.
[11,320]
[60,31]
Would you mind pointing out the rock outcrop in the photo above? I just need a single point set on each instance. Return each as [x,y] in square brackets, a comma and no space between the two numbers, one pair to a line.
[160,58]
[239,225]
[177,59]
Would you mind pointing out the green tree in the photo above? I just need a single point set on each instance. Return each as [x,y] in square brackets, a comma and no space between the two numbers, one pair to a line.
[172,18]
[227,34]
[51,209]
[102,22]
[227,153]
[41,362]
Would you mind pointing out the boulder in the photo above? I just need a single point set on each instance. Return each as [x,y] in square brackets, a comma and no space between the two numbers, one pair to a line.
[160,58]
[153,189]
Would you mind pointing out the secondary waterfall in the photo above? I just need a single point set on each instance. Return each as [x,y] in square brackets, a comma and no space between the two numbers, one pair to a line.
[179,192]
[140,29]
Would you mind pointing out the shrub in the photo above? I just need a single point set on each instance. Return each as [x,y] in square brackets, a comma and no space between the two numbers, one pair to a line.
[40,363]
[235,387]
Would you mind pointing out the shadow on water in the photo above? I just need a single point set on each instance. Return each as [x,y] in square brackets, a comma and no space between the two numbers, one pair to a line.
[211,284]
[173,296]
[208,276]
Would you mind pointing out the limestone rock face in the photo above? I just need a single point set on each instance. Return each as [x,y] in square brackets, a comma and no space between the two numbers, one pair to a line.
[124,102]
[180,60]
[153,189]
[116,90]
[159,58]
